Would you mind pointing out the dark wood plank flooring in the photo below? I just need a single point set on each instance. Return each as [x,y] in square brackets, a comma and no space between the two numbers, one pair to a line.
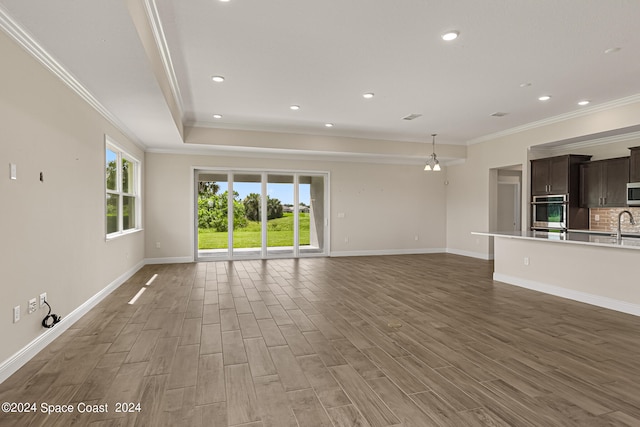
[417,340]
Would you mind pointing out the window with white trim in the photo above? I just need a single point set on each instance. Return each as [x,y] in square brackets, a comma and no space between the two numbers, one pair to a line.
[122,176]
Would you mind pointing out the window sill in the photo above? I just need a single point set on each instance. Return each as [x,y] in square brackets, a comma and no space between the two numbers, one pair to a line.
[115,236]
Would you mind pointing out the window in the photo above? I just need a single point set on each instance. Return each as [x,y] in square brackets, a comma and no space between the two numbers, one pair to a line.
[122,173]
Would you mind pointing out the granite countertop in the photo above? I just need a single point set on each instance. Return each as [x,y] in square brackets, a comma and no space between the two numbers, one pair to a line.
[581,237]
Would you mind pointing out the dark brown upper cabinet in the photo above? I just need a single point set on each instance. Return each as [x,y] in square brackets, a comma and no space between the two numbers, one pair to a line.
[634,165]
[556,175]
[603,183]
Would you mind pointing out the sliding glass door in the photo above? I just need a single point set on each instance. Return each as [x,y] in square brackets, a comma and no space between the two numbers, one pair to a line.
[253,214]
[212,225]
[246,238]
[281,217]
[313,219]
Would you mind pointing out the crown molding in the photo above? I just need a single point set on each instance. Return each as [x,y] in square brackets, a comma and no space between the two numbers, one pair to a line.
[31,46]
[165,55]
[586,144]
[559,118]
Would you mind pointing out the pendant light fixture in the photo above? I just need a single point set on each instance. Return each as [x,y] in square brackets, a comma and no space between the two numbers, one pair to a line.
[433,164]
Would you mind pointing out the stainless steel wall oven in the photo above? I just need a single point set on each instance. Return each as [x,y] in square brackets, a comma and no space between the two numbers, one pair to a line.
[549,212]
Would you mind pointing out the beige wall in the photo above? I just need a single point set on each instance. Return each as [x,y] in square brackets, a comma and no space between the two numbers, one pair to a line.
[591,280]
[468,192]
[53,237]
[385,206]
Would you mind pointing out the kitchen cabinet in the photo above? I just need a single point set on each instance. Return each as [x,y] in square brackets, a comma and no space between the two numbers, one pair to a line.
[556,175]
[634,165]
[603,183]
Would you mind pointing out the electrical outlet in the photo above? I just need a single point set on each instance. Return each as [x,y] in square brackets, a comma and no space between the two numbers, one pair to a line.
[526,260]
[43,298]
[157,245]
[16,314]
[415,237]
[33,305]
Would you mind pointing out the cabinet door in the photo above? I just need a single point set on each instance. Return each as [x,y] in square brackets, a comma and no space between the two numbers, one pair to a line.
[615,178]
[559,175]
[539,177]
[634,165]
[590,190]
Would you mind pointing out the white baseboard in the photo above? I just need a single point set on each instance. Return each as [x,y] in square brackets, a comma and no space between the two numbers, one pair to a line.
[22,356]
[170,260]
[479,255]
[597,300]
[378,252]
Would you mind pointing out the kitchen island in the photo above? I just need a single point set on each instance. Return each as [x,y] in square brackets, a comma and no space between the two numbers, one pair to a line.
[593,268]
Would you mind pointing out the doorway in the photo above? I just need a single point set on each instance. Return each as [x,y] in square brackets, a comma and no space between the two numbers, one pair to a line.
[505,200]
[508,215]
[242,214]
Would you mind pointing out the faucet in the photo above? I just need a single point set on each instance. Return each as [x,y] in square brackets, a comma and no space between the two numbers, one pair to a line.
[631,221]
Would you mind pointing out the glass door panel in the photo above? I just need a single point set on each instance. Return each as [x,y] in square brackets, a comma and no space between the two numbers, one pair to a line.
[311,208]
[212,215]
[257,215]
[281,216]
[247,215]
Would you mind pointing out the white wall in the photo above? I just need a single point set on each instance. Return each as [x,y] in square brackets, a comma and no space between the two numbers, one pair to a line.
[385,205]
[468,192]
[53,237]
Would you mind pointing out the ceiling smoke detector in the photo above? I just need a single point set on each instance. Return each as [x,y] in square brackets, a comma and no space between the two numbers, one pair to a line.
[412,116]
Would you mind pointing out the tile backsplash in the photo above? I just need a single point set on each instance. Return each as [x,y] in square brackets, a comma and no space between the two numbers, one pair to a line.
[606,219]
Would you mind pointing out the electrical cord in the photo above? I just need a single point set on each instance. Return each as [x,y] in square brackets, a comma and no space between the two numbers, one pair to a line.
[51,319]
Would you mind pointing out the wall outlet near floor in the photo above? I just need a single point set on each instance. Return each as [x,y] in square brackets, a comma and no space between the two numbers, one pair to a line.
[346,239]
[415,237]
[33,305]
[157,245]
[16,314]
[526,260]
[43,298]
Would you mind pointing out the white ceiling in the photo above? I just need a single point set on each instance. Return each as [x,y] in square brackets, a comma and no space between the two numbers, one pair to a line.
[323,55]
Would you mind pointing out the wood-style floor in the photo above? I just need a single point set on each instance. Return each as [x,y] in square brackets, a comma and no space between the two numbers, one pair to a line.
[418,340]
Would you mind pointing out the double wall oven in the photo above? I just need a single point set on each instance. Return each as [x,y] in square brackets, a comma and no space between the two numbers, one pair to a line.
[549,212]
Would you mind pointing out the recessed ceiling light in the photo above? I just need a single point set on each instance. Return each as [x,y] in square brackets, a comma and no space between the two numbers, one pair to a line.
[217,116]
[450,35]
[217,79]
[328,125]
[224,1]
[613,50]
[584,102]
[368,95]
[544,98]
[295,107]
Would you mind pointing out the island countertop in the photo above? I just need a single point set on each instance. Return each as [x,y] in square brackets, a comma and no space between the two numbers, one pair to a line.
[579,237]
